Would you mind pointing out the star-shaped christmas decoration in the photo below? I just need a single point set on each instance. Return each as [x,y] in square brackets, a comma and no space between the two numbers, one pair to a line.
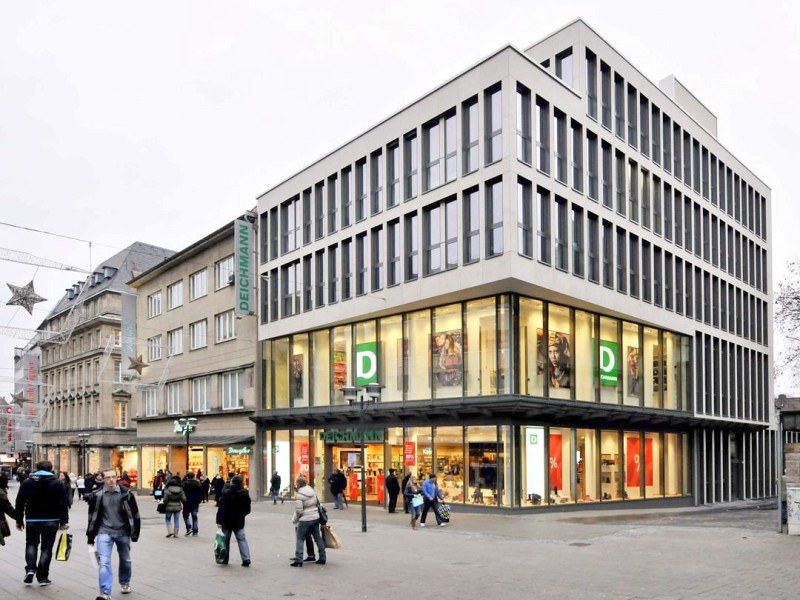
[18,398]
[137,364]
[24,296]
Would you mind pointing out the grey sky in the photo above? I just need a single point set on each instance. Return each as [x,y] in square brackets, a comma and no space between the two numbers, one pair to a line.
[161,121]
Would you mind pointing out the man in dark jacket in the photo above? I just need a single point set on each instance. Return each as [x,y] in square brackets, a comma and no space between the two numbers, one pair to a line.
[338,484]
[43,505]
[216,485]
[194,495]
[393,489]
[234,506]
[113,520]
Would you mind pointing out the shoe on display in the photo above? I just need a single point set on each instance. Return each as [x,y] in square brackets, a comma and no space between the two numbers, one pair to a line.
[28,578]
[126,588]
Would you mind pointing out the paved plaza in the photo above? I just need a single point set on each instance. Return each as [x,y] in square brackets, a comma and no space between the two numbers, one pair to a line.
[631,554]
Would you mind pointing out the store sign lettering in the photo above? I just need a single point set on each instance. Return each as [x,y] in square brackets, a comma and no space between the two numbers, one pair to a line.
[609,368]
[238,451]
[366,363]
[350,436]
[126,448]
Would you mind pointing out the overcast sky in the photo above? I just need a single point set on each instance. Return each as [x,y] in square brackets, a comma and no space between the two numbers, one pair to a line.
[162,121]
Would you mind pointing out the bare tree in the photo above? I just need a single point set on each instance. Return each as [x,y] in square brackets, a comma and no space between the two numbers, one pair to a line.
[787,321]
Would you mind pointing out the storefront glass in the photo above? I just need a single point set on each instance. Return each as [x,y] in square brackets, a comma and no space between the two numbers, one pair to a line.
[556,352]
[153,459]
[610,361]
[561,467]
[610,483]
[318,476]
[417,363]
[126,458]
[587,459]
[280,371]
[653,451]
[300,454]
[532,461]
[632,362]
[447,359]
[282,461]
[237,461]
[342,360]
[391,359]
[418,443]
[267,374]
[63,460]
[298,371]
[531,326]
[480,354]
[636,472]
[671,361]
[449,452]
[394,452]
[504,345]
[320,368]
[674,453]
[652,368]
[216,462]
[505,468]
[583,359]
[482,453]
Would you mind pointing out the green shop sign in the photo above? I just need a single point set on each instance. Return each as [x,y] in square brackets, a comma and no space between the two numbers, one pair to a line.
[366,363]
[609,363]
[242,450]
[351,436]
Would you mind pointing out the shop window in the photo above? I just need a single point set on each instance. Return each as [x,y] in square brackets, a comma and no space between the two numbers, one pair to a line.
[447,360]
[583,358]
[532,462]
[531,323]
[480,360]
[654,474]
[675,465]
[632,377]
[587,459]
[417,361]
[610,471]
[341,360]
[419,448]
[555,351]
[319,368]
[449,454]
[609,361]
[652,368]
[393,357]
[298,380]
[280,372]
[482,475]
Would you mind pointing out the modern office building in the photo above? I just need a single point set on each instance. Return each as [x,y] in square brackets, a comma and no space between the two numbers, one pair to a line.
[197,344]
[556,271]
[86,398]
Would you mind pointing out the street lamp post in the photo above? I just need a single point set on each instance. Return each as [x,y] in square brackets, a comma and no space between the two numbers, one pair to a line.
[373,393]
[83,440]
[186,425]
[780,402]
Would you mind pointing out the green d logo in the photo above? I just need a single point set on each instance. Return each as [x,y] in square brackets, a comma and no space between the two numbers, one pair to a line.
[609,371]
[366,363]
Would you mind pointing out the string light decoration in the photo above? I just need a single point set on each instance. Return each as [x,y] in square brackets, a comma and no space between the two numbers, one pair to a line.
[24,296]
[137,364]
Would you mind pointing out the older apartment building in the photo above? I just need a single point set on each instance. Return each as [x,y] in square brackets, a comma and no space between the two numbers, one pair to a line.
[556,271]
[198,351]
[86,403]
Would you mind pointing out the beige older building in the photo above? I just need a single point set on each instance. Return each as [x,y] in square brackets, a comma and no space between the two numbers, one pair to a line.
[198,352]
[85,400]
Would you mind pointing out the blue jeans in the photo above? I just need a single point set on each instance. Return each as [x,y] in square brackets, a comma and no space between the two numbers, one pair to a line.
[105,543]
[36,534]
[431,504]
[416,511]
[174,516]
[303,529]
[241,540]
[193,513]
[337,501]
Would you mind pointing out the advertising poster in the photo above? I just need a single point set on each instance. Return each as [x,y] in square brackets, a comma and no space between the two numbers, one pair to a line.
[447,358]
[556,470]
[410,454]
[633,472]
[557,356]
[297,377]
[634,380]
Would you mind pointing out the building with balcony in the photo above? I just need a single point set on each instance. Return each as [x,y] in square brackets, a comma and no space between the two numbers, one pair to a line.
[198,349]
[556,271]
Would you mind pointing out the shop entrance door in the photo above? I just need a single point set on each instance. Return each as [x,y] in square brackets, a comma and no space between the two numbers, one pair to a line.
[348,459]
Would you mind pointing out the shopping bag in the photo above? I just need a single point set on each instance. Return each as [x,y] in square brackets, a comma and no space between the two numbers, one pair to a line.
[444,511]
[323,514]
[220,549]
[94,557]
[330,538]
[64,546]
[417,500]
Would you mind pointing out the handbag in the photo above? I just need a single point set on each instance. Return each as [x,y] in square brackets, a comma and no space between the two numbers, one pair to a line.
[330,538]
[64,546]
[417,500]
[5,530]
[323,513]
[161,507]
[220,549]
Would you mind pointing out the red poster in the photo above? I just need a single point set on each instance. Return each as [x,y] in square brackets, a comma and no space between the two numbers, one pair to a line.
[648,461]
[410,454]
[633,470]
[556,468]
[303,453]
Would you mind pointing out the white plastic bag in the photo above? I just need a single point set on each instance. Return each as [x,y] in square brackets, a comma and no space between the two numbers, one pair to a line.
[94,558]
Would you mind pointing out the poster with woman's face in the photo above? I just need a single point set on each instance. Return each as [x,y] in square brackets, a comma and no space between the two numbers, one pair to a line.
[447,354]
[634,381]
[557,356]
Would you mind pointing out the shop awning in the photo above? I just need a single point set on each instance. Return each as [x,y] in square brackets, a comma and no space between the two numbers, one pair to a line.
[199,440]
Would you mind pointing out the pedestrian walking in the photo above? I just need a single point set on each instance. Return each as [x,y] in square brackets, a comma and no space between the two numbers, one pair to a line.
[63,478]
[124,479]
[113,521]
[431,495]
[306,517]
[412,495]
[403,486]
[392,489]
[174,499]
[194,495]
[217,484]
[205,483]
[81,486]
[233,507]
[42,509]
[5,507]
[275,487]
[338,484]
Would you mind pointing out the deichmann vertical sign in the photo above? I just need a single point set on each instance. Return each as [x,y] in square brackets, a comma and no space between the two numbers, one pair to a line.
[366,363]
[243,260]
[609,363]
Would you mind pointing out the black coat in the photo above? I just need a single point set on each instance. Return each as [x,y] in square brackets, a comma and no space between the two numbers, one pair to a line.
[234,506]
[42,497]
[392,485]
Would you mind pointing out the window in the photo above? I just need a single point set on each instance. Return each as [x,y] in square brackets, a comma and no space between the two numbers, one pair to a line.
[644,125]
[201,391]
[634,266]
[647,271]
[543,200]
[273,236]
[361,190]
[117,372]
[175,341]
[223,272]
[231,389]
[668,287]
[410,165]
[376,182]
[319,210]
[666,129]
[608,255]
[644,194]
[524,218]
[154,348]
[633,191]
[393,253]
[347,269]
[469,136]
[493,118]
[619,106]
[198,284]
[621,186]
[622,261]
[632,113]
[174,398]
[120,415]
[290,292]
[605,95]
[175,295]
[198,334]
[439,150]
[592,165]
[472,223]
[333,204]
[376,259]
[334,264]
[319,278]
[657,298]
[392,174]
[676,142]
[306,216]
[225,324]
[591,83]
[562,235]
[593,247]
[347,202]
[577,156]
[560,129]
[667,211]
[655,122]
[150,399]
[542,135]
[577,240]
[290,227]
[361,264]
[494,218]
[657,214]
[564,66]
[411,239]
[607,175]
[523,124]
[154,305]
